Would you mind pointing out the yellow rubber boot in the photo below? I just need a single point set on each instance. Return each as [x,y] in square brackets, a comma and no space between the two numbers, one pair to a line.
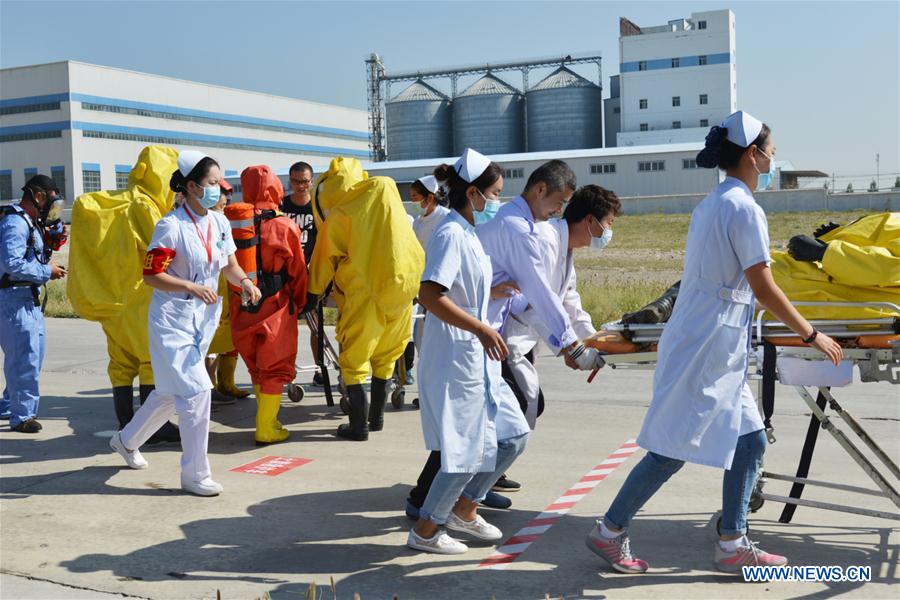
[268,429]
[225,377]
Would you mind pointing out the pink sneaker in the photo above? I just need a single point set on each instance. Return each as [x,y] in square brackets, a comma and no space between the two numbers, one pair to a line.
[617,552]
[746,556]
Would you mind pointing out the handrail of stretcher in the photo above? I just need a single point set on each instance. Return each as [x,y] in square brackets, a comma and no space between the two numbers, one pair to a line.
[828,322]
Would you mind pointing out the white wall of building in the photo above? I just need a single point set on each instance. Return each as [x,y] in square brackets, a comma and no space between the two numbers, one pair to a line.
[656,47]
[106,116]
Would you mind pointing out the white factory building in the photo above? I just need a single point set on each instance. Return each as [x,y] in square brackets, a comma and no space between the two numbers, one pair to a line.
[675,80]
[85,124]
[645,171]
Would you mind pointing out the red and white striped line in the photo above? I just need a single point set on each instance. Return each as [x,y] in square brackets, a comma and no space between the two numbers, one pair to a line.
[538,526]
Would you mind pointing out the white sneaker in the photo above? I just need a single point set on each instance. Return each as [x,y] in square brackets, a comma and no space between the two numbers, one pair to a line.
[440,543]
[477,528]
[207,487]
[132,457]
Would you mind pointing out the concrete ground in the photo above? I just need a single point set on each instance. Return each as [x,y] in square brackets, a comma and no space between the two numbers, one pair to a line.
[77,524]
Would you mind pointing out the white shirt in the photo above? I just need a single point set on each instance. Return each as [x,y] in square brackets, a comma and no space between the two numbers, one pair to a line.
[424,225]
[512,242]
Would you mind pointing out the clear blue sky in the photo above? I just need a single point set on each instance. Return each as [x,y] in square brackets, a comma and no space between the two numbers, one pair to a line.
[824,75]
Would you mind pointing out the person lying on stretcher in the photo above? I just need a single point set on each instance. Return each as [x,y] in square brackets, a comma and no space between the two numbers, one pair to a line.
[857,262]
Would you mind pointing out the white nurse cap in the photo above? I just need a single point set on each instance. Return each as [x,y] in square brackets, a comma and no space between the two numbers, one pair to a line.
[188,159]
[742,128]
[430,183]
[471,165]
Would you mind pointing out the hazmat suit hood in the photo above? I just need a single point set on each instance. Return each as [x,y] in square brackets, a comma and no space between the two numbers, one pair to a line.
[334,187]
[261,187]
[151,175]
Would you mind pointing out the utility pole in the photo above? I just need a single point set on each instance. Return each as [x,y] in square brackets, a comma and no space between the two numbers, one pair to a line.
[877,171]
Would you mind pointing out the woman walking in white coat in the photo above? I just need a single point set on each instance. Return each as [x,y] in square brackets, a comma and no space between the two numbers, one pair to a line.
[190,245]
[702,409]
[468,413]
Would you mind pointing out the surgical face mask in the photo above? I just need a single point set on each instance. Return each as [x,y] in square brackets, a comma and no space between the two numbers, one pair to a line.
[764,180]
[210,196]
[602,241]
[488,212]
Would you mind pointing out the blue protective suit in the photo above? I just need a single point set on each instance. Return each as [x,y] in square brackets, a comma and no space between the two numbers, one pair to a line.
[21,320]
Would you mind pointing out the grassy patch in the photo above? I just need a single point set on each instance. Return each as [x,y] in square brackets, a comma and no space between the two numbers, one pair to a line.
[57,302]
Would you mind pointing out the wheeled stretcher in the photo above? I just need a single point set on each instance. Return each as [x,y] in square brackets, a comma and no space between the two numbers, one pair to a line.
[872,345]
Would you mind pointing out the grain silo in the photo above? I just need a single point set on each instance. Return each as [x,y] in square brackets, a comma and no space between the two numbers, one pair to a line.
[488,116]
[418,124]
[565,112]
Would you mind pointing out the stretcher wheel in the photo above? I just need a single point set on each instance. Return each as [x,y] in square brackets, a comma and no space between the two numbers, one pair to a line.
[719,527]
[398,398]
[295,392]
[756,502]
[345,404]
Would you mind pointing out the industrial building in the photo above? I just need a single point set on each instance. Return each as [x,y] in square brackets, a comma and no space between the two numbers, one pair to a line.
[675,80]
[84,125]
[646,171]
[563,111]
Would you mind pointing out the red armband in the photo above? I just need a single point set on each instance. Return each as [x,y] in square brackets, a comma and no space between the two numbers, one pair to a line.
[158,260]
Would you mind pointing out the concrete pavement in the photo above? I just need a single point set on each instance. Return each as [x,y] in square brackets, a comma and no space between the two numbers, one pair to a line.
[78,523]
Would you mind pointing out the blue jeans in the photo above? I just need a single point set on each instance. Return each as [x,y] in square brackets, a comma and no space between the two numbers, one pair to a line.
[448,487]
[22,343]
[654,470]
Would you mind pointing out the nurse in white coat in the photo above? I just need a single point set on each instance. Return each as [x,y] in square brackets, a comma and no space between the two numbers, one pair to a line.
[702,409]
[468,413]
[190,245]
[425,192]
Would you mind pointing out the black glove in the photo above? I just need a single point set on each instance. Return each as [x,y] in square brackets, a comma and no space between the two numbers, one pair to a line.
[825,228]
[805,248]
[312,301]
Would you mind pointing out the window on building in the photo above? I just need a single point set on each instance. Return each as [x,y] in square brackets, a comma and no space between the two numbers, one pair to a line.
[704,99]
[605,168]
[644,127]
[704,122]
[676,63]
[37,135]
[518,173]
[676,100]
[701,24]
[651,165]
[15,110]
[642,103]
[90,181]
[676,124]
[6,192]
[642,65]
[121,181]
[688,163]
[616,110]
[702,59]
[58,174]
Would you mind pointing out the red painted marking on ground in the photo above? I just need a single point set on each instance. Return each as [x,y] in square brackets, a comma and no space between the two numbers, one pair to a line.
[271,465]
[505,554]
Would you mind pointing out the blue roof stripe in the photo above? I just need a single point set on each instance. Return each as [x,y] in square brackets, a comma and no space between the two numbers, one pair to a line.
[123,168]
[684,61]
[236,119]
[25,101]
[90,166]
[35,128]
[196,137]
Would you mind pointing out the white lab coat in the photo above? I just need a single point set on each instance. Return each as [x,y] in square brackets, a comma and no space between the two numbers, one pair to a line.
[465,404]
[701,401]
[424,225]
[522,332]
[181,326]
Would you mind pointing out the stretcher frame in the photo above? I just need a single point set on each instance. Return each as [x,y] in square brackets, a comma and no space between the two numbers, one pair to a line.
[874,364]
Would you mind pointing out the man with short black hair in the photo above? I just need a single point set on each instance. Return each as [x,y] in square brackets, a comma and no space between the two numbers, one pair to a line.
[24,267]
[298,207]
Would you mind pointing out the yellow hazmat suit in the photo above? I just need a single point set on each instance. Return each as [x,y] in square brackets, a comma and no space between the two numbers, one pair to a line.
[861,264]
[367,247]
[110,233]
